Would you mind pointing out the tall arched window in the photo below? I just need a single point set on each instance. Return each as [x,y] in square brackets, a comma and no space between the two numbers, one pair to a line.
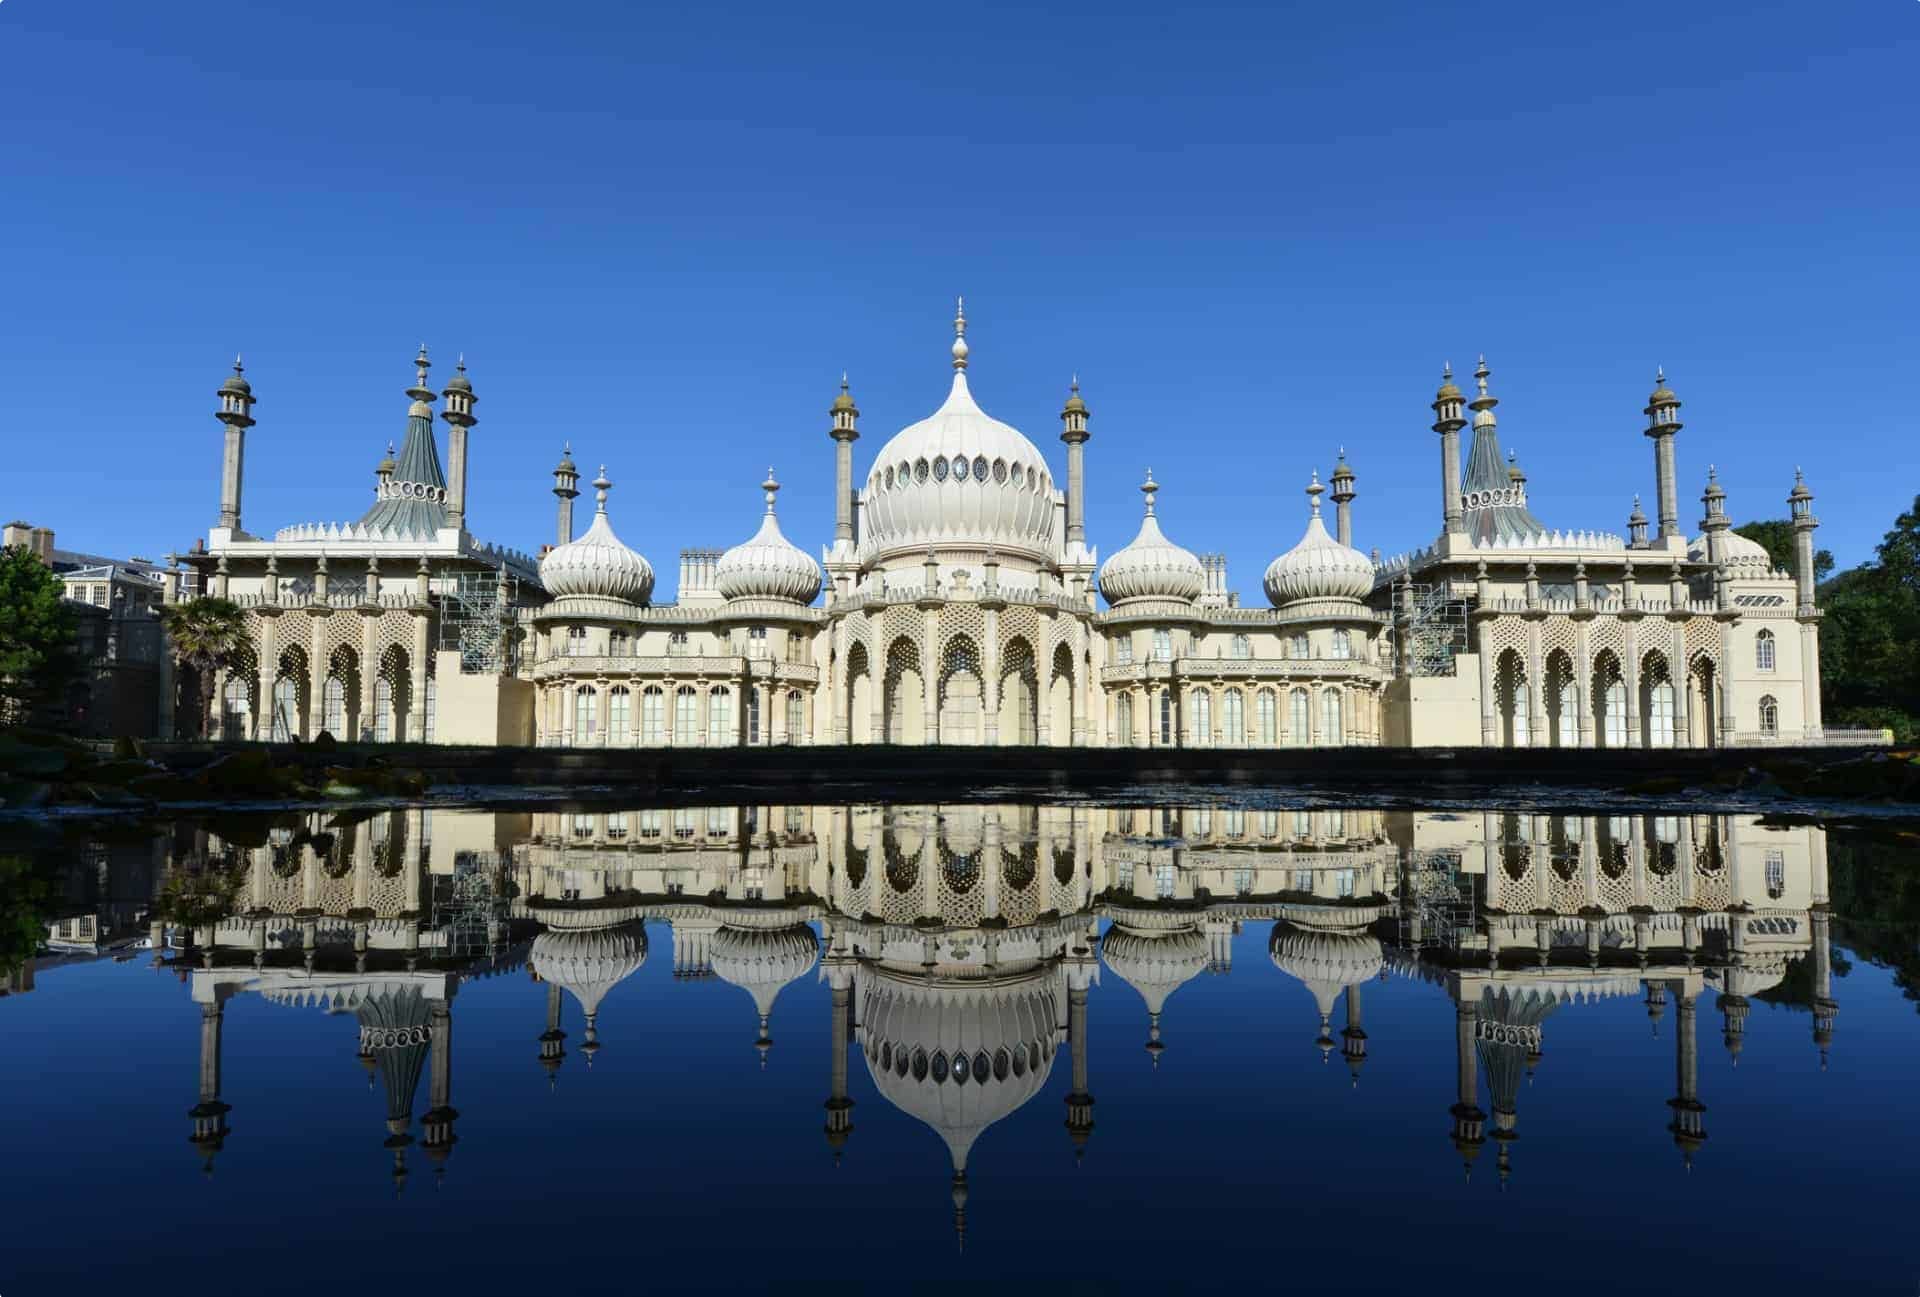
[1763,651]
[585,715]
[1269,719]
[1123,720]
[236,707]
[1330,727]
[1162,646]
[619,716]
[620,644]
[686,716]
[1202,718]
[720,717]
[1299,731]
[796,716]
[334,700]
[1769,716]
[576,641]
[383,710]
[1297,647]
[1233,718]
[753,702]
[653,716]
[1166,717]
[1343,644]
[286,709]
[1242,647]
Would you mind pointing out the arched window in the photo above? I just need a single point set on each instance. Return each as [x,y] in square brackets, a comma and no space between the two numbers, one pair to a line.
[236,720]
[1763,651]
[1242,648]
[383,710]
[1123,651]
[753,703]
[286,709]
[619,716]
[1123,720]
[1297,647]
[1166,716]
[585,715]
[1330,731]
[334,700]
[1269,719]
[1769,716]
[1233,718]
[677,644]
[620,644]
[653,716]
[1162,646]
[796,716]
[1343,644]
[1299,732]
[1202,718]
[576,641]
[686,716]
[720,717]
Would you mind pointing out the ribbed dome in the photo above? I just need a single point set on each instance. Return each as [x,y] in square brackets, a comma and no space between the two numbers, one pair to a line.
[763,961]
[768,566]
[1740,551]
[1156,964]
[958,478]
[598,564]
[1318,567]
[958,1057]
[1327,962]
[589,962]
[1151,566]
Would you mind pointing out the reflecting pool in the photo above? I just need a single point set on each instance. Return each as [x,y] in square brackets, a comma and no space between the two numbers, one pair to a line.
[885,1046]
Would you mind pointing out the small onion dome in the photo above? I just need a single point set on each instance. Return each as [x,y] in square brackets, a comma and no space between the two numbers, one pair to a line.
[1638,518]
[1449,390]
[1738,550]
[1151,566]
[1327,962]
[763,962]
[386,464]
[459,382]
[844,401]
[1514,471]
[1662,394]
[1074,405]
[566,464]
[597,564]
[1800,489]
[589,962]
[238,383]
[769,566]
[1156,964]
[1319,567]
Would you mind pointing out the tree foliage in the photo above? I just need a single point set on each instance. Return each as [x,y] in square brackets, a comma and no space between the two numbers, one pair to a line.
[206,634]
[38,648]
[1870,638]
[1776,534]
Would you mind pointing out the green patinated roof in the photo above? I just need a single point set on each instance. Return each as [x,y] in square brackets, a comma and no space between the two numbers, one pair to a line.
[419,465]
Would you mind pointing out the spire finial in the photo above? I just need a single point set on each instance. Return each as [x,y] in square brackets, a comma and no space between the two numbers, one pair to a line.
[960,333]
[843,380]
[1313,493]
[1073,384]
[460,364]
[1446,371]
[1148,488]
[238,368]
[1659,375]
[771,487]
[423,364]
[600,488]
[1480,376]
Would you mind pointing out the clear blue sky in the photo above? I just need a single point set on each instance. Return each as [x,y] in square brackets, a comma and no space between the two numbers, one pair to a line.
[662,231]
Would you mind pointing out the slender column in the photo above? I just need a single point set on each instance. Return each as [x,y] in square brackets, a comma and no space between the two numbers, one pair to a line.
[1469,1122]
[1079,1100]
[236,412]
[1073,419]
[1810,677]
[436,1125]
[1723,677]
[1682,680]
[990,682]
[1537,735]
[1630,673]
[839,1106]
[458,414]
[369,673]
[1663,422]
[317,678]
[417,683]
[1489,721]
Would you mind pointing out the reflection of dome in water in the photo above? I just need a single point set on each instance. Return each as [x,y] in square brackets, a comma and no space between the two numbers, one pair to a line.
[762,962]
[959,1056]
[589,962]
[1327,962]
[1156,964]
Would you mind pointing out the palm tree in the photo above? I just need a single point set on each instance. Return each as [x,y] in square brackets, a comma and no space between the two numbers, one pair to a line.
[207,634]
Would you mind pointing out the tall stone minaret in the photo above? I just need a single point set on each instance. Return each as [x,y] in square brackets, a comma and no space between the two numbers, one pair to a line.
[1448,407]
[1807,612]
[210,1114]
[1343,494]
[845,430]
[1073,431]
[1663,422]
[236,411]
[1688,1126]
[840,965]
[458,412]
[1469,1121]
[566,487]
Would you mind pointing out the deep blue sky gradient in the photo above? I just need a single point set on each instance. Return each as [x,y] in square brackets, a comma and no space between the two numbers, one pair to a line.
[662,231]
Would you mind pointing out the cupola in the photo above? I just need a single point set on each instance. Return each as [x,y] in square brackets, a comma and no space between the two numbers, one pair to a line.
[598,565]
[1318,567]
[768,566]
[1151,566]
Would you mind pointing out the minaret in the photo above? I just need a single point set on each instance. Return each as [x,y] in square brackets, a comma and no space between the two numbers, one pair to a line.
[839,970]
[1073,431]
[210,1114]
[566,487]
[1079,1099]
[1353,1039]
[1687,1127]
[1343,494]
[844,431]
[1469,1122]
[383,474]
[1800,503]
[1637,526]
[459,416]
[1715,524]
[1821,917]
[1733,1024]
[1449,422]
[1663,421]
[553,1049]
[436,1124]
[236,411]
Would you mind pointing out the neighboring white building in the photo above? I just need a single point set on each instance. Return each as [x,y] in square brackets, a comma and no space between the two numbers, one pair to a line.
[960,608]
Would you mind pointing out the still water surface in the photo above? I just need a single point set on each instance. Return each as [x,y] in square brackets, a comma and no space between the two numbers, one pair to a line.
[741,1047]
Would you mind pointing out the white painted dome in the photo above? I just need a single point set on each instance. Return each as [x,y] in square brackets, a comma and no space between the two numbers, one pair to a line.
[1740,552]
[958,479]
[763,961]
[1328,962]
[589,962]
[769,566]
[915,1034]
[1156,964]
[598,565]
[1319,567]
[1151,566]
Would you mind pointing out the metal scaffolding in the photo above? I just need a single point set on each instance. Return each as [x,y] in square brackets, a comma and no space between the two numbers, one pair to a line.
[476,617]
[1438,630]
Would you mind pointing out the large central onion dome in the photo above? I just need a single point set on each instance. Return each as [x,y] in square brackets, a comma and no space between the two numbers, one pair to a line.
[1319,567]
[768,566]
[958,479]
[598,565]
[1151,566]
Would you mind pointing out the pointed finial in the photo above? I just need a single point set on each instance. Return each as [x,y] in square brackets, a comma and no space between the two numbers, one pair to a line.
[771,487]
[1480,376]
[843,380]
[1073,384]
[1148,488]
[960,333]
[238,368]
[1314,490]
[1659,375]
[600,488]
[1446,371]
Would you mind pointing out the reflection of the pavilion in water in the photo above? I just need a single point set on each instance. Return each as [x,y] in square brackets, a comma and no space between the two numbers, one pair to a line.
[960,943]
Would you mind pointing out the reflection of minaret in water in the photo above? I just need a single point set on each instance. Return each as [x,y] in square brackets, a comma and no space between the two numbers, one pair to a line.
[1079,1099]
[553,1049]
[839,1107]
[210,1114]
[1469,1122]
[436,1124]
[1353,1039]
[1688,1126]
[1509,1042]
[1821,915]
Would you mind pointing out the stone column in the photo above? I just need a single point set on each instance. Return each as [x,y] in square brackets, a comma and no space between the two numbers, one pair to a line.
[1810,677]
[1630,676]
[1537,735]
[1469,1122]
[436,1125]
[990,681]
[369,672]
[1723,678]
[1489,718]
[1688,1126]
[1682,687]
[210,1113]
[1079,1099]
[317,677]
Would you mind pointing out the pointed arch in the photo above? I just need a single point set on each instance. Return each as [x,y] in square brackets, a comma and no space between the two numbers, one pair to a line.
[1562,699]
[905,694]
[1019,720]
[1609,697]
[1514,700]
[859,696]
[1659,703]
[1060,697]
[290,685]
[960,696]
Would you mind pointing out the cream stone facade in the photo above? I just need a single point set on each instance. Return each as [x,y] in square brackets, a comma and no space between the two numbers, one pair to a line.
[957,604]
